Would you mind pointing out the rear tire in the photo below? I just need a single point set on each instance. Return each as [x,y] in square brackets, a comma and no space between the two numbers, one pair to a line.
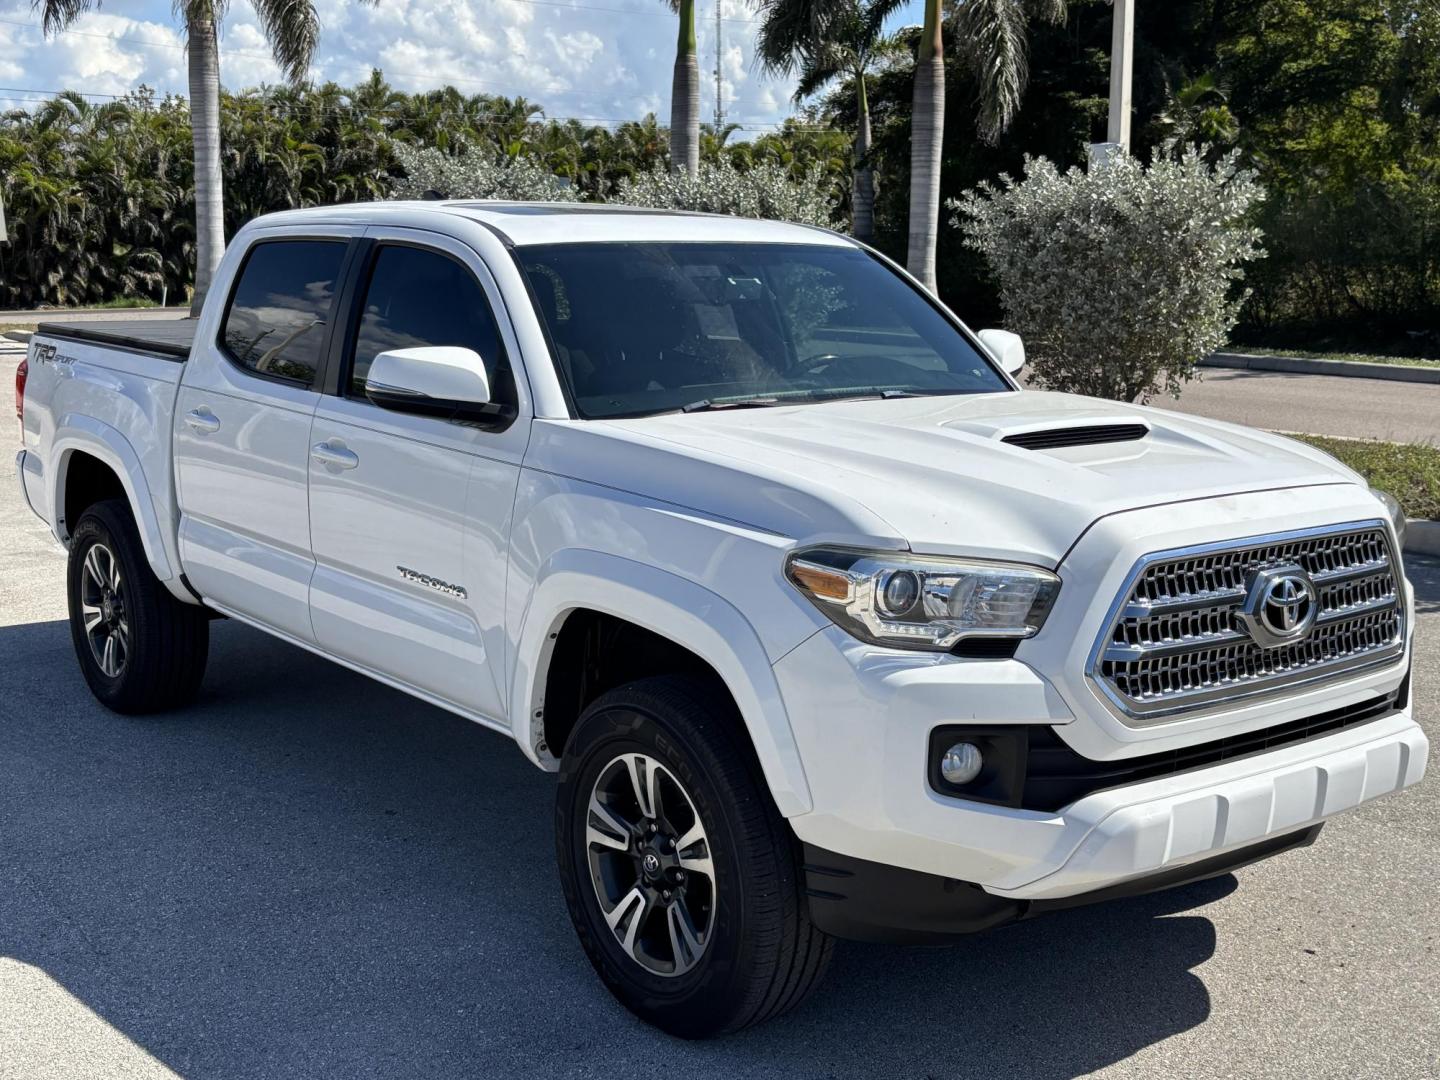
[140,649]
[751,951]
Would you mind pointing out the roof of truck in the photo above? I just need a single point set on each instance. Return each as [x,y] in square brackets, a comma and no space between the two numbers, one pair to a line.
[526,223]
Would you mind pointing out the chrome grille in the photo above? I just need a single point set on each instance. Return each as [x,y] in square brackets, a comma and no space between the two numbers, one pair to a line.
[1175,642]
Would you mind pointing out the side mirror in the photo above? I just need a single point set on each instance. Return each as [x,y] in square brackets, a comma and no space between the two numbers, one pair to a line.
[1007,348]
[444,381]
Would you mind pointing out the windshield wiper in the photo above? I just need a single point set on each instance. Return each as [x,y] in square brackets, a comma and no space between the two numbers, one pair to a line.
[706,404]
[800,397]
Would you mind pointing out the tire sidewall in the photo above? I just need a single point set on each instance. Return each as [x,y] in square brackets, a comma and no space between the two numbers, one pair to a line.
[92,529]
[671,1002]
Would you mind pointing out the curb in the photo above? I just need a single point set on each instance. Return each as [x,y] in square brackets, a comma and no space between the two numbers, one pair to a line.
[1304,365]
[1422,537]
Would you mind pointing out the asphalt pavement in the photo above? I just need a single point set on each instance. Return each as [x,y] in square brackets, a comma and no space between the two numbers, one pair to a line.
[1318,404]
[309,875]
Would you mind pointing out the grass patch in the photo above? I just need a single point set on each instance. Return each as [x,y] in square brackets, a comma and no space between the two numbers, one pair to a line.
[1408,471]
[5,327]
[1346,357]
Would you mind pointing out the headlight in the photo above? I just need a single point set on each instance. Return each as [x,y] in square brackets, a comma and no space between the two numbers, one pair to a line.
[923,601]
[1397,515]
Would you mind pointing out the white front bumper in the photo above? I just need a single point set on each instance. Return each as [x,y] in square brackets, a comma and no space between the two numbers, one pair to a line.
[862,719]
[1152,827]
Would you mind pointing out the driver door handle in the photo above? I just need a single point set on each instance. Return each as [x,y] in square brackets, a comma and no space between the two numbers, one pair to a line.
[335,457]
[202,420]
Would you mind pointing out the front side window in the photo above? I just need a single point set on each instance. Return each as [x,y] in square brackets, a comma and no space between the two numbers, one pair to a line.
[417,298]
[646,328]
[275,324]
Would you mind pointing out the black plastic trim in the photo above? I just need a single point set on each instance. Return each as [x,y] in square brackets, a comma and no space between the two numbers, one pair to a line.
[869,901]
[1082,435]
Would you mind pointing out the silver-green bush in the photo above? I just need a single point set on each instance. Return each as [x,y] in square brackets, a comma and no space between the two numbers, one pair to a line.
[761,191]
[1121,277]
[476,174]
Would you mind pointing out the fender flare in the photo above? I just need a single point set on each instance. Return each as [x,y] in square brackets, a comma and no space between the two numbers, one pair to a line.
[77,433]
[680,610]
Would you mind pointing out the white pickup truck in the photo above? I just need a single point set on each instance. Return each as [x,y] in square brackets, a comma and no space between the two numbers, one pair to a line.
[826,626]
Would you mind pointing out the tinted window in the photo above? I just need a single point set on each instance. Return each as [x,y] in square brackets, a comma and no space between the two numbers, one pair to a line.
[642,328]
[276,322]
[418,297]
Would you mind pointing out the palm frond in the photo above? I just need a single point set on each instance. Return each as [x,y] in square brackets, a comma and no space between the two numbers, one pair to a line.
[293,28]
[992,37]
[57,15]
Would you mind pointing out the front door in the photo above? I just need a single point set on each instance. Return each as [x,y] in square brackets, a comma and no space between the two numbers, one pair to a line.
[410,515]
[242,433]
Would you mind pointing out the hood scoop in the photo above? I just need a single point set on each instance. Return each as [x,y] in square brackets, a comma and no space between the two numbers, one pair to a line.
[1052,432]
[1081,435]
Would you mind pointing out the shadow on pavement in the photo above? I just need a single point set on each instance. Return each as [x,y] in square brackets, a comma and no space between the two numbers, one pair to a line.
[307,874]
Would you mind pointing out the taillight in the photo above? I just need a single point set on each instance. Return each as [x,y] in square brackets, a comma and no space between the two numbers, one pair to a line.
[21,373]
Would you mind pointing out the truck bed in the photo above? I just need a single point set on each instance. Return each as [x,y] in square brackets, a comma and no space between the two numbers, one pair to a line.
[169,339]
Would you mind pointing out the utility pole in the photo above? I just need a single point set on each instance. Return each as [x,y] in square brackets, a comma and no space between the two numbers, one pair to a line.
[719,68]
[1122,65]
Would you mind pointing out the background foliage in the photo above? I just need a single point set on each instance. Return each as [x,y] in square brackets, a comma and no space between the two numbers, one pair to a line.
[1335,104]
[1118,278]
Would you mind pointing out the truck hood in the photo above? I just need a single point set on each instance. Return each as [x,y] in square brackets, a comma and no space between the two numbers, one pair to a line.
[929,474]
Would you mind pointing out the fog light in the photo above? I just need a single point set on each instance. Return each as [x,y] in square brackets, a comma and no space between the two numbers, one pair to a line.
[961,763]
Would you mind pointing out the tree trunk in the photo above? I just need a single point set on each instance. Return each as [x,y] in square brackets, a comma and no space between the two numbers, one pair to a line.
[862,194]
[685,97]
[204,56]
[927,132]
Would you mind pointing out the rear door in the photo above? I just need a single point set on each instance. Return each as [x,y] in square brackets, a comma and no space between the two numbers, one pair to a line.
[410,515]
[242,436]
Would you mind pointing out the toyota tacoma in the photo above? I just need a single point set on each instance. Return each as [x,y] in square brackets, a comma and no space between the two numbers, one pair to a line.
[826,626]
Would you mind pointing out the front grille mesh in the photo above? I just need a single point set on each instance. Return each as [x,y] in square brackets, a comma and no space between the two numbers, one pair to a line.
[1176,642]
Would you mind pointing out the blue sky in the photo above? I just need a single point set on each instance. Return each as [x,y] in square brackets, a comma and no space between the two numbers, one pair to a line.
[593,59]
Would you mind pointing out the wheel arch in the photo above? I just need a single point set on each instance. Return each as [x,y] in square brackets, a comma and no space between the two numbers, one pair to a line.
[84,445]
[676,610]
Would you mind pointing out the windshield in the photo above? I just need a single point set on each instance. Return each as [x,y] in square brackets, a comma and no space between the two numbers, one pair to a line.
[647,328]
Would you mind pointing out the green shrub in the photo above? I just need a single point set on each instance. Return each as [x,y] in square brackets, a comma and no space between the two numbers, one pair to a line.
[761,191]
[1122,277]
[477,173]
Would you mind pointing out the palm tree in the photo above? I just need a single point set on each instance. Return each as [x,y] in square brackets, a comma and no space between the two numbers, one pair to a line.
[992,36]
[685,94]
[824,41]
[292,28]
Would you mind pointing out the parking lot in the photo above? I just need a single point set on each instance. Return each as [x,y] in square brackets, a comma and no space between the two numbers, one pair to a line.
[309,875]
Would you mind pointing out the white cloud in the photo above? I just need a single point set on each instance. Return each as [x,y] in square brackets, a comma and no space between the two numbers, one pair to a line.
[563,54]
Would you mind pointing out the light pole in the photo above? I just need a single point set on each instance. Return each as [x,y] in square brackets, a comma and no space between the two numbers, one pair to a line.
[1122,65]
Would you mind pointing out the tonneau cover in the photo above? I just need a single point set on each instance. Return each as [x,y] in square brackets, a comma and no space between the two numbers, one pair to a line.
[170,338]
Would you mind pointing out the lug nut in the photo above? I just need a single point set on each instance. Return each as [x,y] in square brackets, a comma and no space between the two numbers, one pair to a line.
[679,875]
[665,895]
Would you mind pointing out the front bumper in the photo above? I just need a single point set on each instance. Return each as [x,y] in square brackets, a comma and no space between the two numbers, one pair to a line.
[863,737]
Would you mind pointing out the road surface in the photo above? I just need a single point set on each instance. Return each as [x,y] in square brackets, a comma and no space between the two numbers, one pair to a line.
[1318,404]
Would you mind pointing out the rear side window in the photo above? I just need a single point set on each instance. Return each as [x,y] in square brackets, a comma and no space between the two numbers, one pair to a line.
[417,298]
[275,324]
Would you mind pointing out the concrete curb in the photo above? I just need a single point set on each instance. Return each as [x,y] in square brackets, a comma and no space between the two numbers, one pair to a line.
[1422,537]
[1304,365]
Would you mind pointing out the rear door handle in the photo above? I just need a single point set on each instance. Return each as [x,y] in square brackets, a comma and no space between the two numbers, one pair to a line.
[202,420]
[336,457]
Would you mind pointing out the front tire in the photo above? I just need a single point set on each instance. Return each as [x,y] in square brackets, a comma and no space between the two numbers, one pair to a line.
[140,649]
[682,879]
